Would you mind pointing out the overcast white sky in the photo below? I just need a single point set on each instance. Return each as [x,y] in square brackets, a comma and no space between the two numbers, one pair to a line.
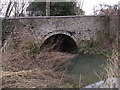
[88,4]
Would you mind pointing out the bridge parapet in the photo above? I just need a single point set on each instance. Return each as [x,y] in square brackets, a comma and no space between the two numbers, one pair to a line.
[38,29]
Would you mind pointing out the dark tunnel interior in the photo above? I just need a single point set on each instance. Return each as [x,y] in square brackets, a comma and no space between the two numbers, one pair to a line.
[60,42]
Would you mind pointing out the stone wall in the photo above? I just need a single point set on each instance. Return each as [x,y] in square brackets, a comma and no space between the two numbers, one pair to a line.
[79,28]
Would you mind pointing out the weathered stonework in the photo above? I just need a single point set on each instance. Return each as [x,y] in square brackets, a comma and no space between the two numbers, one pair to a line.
[79,28]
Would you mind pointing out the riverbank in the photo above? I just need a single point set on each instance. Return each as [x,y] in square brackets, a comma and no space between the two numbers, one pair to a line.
[27,67]
[22,70]
[50,69]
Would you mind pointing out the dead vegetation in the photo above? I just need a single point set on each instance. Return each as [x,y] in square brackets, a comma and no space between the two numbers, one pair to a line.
[112,67]
[23,69]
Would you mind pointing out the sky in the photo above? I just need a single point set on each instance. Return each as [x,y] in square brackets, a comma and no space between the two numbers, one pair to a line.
[88,4]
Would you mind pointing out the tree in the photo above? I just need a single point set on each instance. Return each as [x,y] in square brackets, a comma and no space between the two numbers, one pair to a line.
[2,7]
[8,8]
[36,9]
[105,9]
[56,8]
[47,7]
[63,8]
[13,8]
[80,6]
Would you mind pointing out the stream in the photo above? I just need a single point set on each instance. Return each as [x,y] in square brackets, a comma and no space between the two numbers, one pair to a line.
[86,68]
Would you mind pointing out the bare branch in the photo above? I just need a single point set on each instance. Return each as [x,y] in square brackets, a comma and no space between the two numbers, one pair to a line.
[8,8]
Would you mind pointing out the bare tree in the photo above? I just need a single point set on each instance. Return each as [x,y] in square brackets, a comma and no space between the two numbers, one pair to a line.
[19,8]
[104,9]
[22,9]
[80,6]
[47,7]
[8,8]
[2,6]
[13,8]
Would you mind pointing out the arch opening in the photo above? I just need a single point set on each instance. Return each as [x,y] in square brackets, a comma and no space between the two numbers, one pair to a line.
[59,42]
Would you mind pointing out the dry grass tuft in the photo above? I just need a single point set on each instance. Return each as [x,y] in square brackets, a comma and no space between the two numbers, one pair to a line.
[23,69]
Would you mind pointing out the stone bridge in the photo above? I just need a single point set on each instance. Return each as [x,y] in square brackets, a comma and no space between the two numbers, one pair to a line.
[73,30]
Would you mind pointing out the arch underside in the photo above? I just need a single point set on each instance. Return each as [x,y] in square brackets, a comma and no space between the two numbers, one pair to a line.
[59,42]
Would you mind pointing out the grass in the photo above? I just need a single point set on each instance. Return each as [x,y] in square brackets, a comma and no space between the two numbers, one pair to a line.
[27,70]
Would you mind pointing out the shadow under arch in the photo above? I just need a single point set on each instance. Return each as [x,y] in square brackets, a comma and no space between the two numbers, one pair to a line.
[60,42]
